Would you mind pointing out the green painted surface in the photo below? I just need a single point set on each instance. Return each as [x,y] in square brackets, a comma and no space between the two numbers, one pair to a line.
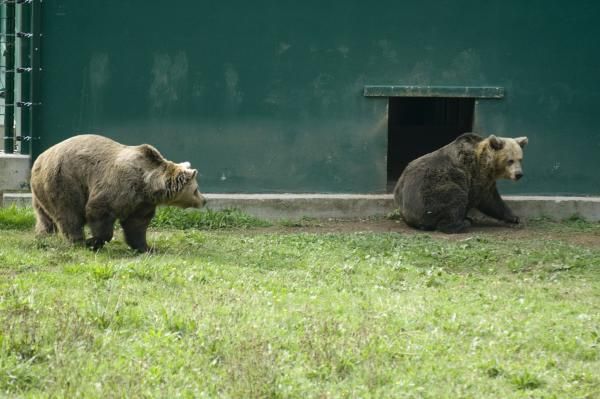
[267,96]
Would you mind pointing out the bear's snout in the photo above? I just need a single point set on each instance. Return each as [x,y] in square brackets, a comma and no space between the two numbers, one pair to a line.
[199,200]
[518,175]
[202,200]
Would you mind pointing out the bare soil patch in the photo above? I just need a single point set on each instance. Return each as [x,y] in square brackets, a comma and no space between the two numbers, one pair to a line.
[487,228]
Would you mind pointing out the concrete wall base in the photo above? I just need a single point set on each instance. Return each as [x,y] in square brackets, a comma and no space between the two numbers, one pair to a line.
[555,208]
[14,172]
[296,206]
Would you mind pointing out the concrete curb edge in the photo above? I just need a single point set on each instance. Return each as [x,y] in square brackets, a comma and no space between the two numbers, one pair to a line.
[296,206]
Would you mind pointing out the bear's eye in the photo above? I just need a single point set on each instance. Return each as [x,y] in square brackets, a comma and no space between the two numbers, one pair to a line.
[510,161]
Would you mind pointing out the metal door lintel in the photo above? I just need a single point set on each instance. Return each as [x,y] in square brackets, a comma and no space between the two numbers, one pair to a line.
[433,91]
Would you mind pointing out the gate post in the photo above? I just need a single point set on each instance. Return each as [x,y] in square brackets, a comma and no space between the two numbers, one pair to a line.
[9,78]
[36,71]
[24,70]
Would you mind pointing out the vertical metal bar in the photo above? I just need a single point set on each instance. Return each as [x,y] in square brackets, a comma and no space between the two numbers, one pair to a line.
[9,82]
[36,71]
[24,78]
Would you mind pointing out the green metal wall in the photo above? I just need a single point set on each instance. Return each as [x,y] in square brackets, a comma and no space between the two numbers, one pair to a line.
[267,96]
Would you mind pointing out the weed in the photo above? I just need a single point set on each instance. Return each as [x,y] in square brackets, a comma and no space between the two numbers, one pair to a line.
[526,380]
[395,215]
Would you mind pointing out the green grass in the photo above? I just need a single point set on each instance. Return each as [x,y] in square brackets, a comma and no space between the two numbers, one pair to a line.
[170,217]
[573,224]
[242,314]
[19,218]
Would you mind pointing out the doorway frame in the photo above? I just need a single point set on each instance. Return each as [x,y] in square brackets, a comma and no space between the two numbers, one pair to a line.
[474,92]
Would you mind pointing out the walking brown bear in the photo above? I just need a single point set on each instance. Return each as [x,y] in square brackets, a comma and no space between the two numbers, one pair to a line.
[436,191]
[95,180]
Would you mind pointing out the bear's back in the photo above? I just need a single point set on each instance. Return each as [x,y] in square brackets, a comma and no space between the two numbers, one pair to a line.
[459,153]
[79,157]
[81,149]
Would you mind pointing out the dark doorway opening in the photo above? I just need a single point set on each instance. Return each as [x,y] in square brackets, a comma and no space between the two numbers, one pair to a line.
[419,125]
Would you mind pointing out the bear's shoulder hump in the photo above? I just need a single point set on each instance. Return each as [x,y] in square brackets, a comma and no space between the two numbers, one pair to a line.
[471,138]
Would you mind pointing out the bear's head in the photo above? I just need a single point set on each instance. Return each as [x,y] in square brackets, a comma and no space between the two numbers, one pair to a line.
[175,184]
[182,187]
[506,156]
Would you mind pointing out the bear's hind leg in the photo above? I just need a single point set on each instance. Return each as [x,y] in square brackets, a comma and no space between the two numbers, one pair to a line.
[101,222]
[453,226]
[102,232]
[43,224]
[71,226]
[453,218]
[134,229]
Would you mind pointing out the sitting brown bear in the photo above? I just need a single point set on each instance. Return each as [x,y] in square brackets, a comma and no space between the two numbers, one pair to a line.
[437,190]
[95,180]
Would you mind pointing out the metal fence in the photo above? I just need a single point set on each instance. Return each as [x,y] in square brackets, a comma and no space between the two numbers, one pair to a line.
[20,45]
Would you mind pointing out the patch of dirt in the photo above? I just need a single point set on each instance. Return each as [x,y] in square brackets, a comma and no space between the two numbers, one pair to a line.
[485,228]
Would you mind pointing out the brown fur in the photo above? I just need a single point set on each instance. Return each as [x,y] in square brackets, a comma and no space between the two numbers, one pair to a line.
[437,190]
[95,180]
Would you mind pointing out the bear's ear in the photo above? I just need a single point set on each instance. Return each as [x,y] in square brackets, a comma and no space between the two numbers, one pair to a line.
[495,142]
[151,154]
[188,174]
[186,164]
[522,141]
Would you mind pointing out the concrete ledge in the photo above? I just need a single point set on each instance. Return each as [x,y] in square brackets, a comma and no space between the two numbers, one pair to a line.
[14,172]
[555,208]
[296,206]
[16,199]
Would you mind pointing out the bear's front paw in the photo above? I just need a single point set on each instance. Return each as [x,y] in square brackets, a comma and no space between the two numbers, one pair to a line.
[513,220]
[141,249]
[94,243]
